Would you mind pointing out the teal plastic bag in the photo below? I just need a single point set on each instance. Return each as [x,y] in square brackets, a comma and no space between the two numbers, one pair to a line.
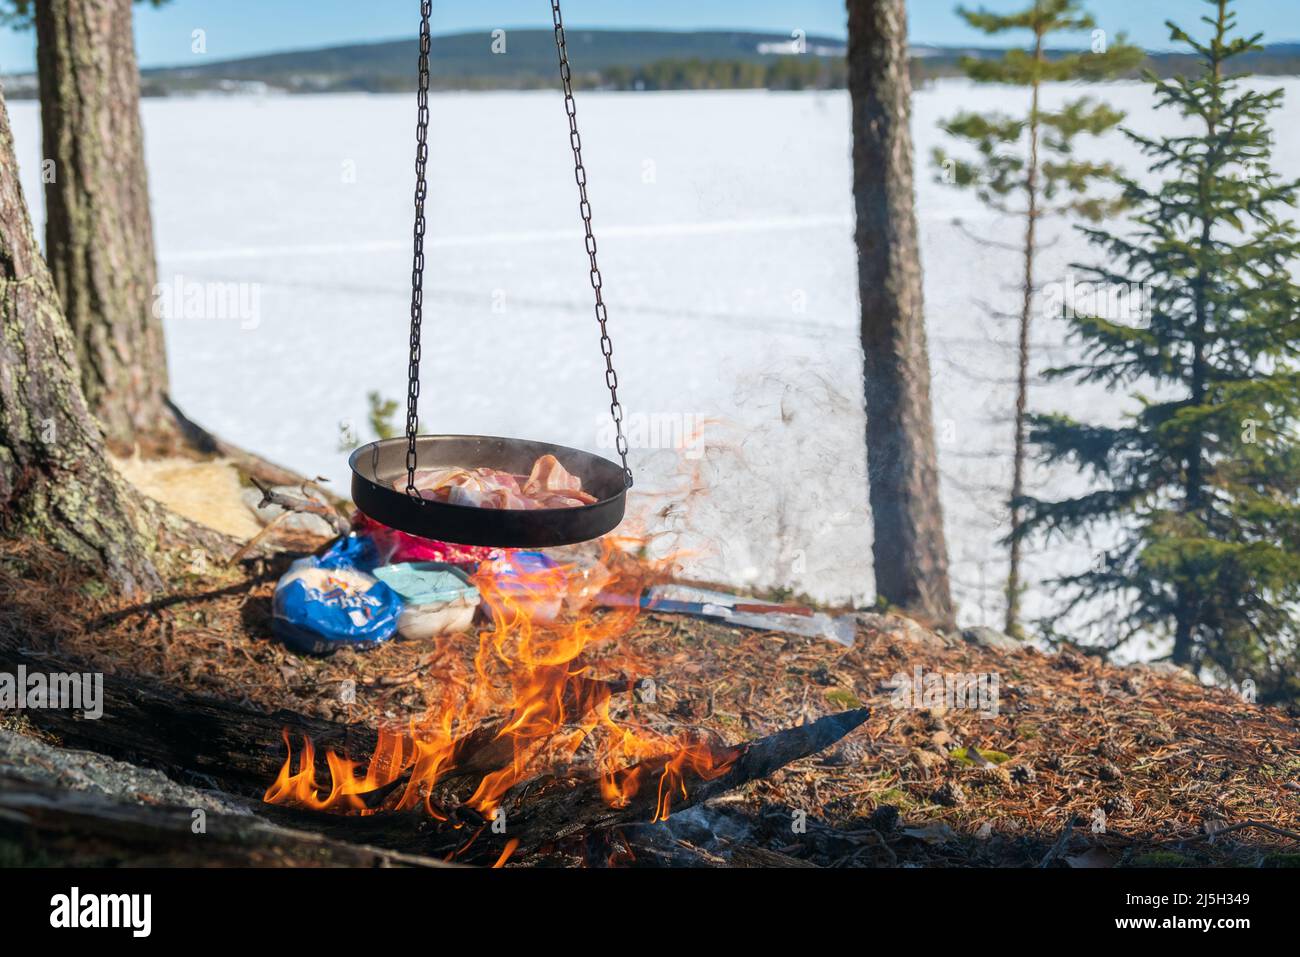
[428,583]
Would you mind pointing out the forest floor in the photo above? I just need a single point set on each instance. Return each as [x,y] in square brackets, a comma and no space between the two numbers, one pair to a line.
[1084,764]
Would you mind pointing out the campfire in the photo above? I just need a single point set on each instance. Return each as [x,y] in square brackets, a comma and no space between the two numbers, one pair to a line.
[539,736]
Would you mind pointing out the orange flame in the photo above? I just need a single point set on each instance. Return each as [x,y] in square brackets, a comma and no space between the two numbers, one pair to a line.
[527,704]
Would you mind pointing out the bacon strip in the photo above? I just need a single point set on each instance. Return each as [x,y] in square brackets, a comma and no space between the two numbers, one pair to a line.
[548,485]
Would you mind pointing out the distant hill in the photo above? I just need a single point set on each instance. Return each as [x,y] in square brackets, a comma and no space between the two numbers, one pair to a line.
[467,60]
[611,59]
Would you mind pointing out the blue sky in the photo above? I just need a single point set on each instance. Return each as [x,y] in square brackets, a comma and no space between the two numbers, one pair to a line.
[241,27]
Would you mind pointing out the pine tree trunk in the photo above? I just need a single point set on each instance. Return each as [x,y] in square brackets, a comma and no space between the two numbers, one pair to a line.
[1020,446]
[98,231]
[55,483]
[1184,643]
[1188,611]
[909,552]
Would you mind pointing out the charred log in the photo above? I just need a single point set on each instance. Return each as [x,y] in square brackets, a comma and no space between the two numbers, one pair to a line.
[224,745]
[556,809]
[548,814]
[52,827]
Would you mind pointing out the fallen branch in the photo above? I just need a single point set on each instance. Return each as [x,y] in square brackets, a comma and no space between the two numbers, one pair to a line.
[308,504]
[46,825]
[1217,833]
[252,543]
[236,749]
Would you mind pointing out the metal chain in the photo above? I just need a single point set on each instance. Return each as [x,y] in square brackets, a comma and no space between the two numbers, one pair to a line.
[584,207]
[417,266]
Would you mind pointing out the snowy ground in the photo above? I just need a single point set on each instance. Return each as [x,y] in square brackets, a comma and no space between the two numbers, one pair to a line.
[725,230]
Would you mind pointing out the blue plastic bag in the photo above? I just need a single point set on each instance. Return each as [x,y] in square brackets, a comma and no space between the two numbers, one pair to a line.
[351,551]
[323,604]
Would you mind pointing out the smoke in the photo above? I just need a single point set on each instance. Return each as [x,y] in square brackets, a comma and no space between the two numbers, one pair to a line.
[779,506]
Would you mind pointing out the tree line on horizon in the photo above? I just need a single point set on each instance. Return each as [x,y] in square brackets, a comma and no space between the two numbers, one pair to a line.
[468,64]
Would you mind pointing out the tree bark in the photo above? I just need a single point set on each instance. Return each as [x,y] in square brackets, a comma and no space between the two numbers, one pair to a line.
[55,482]
[98,230]
[909,551]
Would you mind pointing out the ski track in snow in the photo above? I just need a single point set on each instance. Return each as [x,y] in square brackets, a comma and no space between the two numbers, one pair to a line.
[724,223]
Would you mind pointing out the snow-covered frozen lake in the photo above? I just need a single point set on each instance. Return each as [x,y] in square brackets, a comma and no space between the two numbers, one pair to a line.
[725,230]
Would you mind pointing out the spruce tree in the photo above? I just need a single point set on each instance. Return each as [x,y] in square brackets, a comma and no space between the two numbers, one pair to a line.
[1201,482]
[1024,166]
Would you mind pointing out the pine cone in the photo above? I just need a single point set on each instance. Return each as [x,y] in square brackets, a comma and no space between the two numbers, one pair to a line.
[950,794]
[1118,805]
[1109,750]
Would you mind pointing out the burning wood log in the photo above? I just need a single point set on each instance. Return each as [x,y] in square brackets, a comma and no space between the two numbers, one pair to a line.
[552,810]
[486,748]
[503,750]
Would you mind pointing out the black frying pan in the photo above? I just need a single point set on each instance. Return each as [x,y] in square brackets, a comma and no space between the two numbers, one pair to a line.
[375,467]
